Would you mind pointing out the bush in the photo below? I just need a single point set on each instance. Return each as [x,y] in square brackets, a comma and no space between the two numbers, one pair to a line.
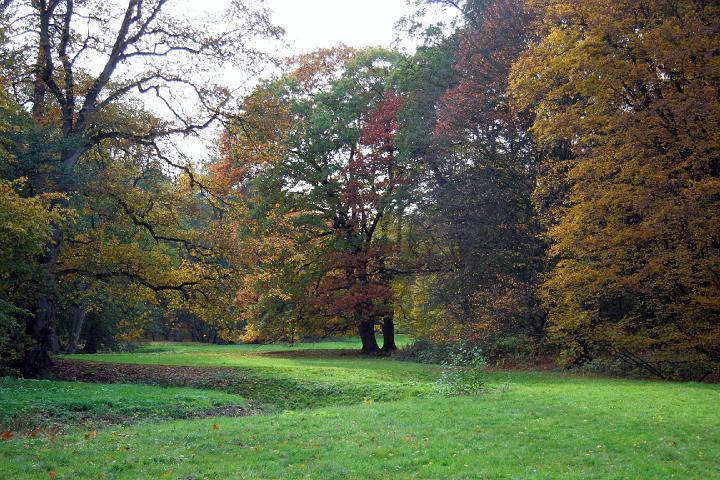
[463,374]
[124,347]
[498,351]
[508,350]
[426,351]
[616,367]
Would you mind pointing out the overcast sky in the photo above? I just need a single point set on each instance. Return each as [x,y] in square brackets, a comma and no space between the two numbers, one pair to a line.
[311,24]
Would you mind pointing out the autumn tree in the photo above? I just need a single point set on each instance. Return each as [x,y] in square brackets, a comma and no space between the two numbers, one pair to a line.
[334,184]
[479,247]
[625,102]
[85,60]
[139,238]
[358,281]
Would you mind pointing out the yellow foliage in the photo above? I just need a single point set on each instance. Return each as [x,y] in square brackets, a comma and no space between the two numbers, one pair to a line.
[632,89]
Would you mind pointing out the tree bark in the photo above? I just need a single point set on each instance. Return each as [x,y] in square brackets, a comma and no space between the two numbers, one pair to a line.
[77,325]
[366,329]
[37,362]
[388,330]
[41,326]
[92,335]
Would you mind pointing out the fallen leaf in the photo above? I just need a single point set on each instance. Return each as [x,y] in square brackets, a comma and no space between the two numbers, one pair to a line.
[408,438]
[216,426]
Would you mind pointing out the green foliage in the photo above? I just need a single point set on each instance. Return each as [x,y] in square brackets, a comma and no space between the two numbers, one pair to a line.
[25,229]
[497,351]
[463,373]
[316,206]
[424,351]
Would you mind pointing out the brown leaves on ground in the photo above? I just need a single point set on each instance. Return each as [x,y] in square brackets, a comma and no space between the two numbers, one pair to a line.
[218,378]
[165,375]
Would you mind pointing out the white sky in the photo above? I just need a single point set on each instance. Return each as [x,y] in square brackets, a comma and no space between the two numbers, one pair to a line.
[312,24]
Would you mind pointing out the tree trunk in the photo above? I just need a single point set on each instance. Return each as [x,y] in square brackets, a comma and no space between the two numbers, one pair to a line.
[37,362]
[366,329]
[77,325]
[41,327]
[388,330]
[92,338]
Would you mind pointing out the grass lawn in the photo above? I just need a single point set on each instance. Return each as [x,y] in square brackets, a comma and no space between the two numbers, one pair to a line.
[528,426]
[29,403]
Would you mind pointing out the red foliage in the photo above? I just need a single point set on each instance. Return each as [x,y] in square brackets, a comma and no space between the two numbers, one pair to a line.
[357,284]
[484,58]
[374,173]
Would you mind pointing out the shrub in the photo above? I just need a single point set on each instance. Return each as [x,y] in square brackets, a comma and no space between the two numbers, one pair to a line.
[508,350]
[463,374]
[425,351]
[497,351]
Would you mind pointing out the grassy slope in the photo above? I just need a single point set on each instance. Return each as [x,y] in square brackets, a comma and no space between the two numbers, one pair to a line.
[543,426]
[26,402]
[296,381]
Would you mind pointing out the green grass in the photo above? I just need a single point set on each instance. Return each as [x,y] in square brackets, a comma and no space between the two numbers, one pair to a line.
[344,343]
[26,404]
[544,426]
[528,426]
[294,382]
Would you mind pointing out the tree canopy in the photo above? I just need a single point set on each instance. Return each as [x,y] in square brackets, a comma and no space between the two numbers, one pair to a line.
[542,173]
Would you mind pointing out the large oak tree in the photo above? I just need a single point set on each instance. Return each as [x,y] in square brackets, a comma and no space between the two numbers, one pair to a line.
[86,60]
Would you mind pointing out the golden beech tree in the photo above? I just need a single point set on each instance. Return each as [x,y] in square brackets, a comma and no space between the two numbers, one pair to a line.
[626,101]
[141,237]
[259,238]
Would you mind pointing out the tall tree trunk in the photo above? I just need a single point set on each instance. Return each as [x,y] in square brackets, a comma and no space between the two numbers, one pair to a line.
[388,330]
[41,326]
[78,320]
[366,329]
[93,336]
[37,362]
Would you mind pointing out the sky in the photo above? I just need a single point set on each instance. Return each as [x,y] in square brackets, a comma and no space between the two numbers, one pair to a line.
[311,24]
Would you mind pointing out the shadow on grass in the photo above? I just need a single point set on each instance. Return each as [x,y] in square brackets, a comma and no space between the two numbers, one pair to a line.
[263,392]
